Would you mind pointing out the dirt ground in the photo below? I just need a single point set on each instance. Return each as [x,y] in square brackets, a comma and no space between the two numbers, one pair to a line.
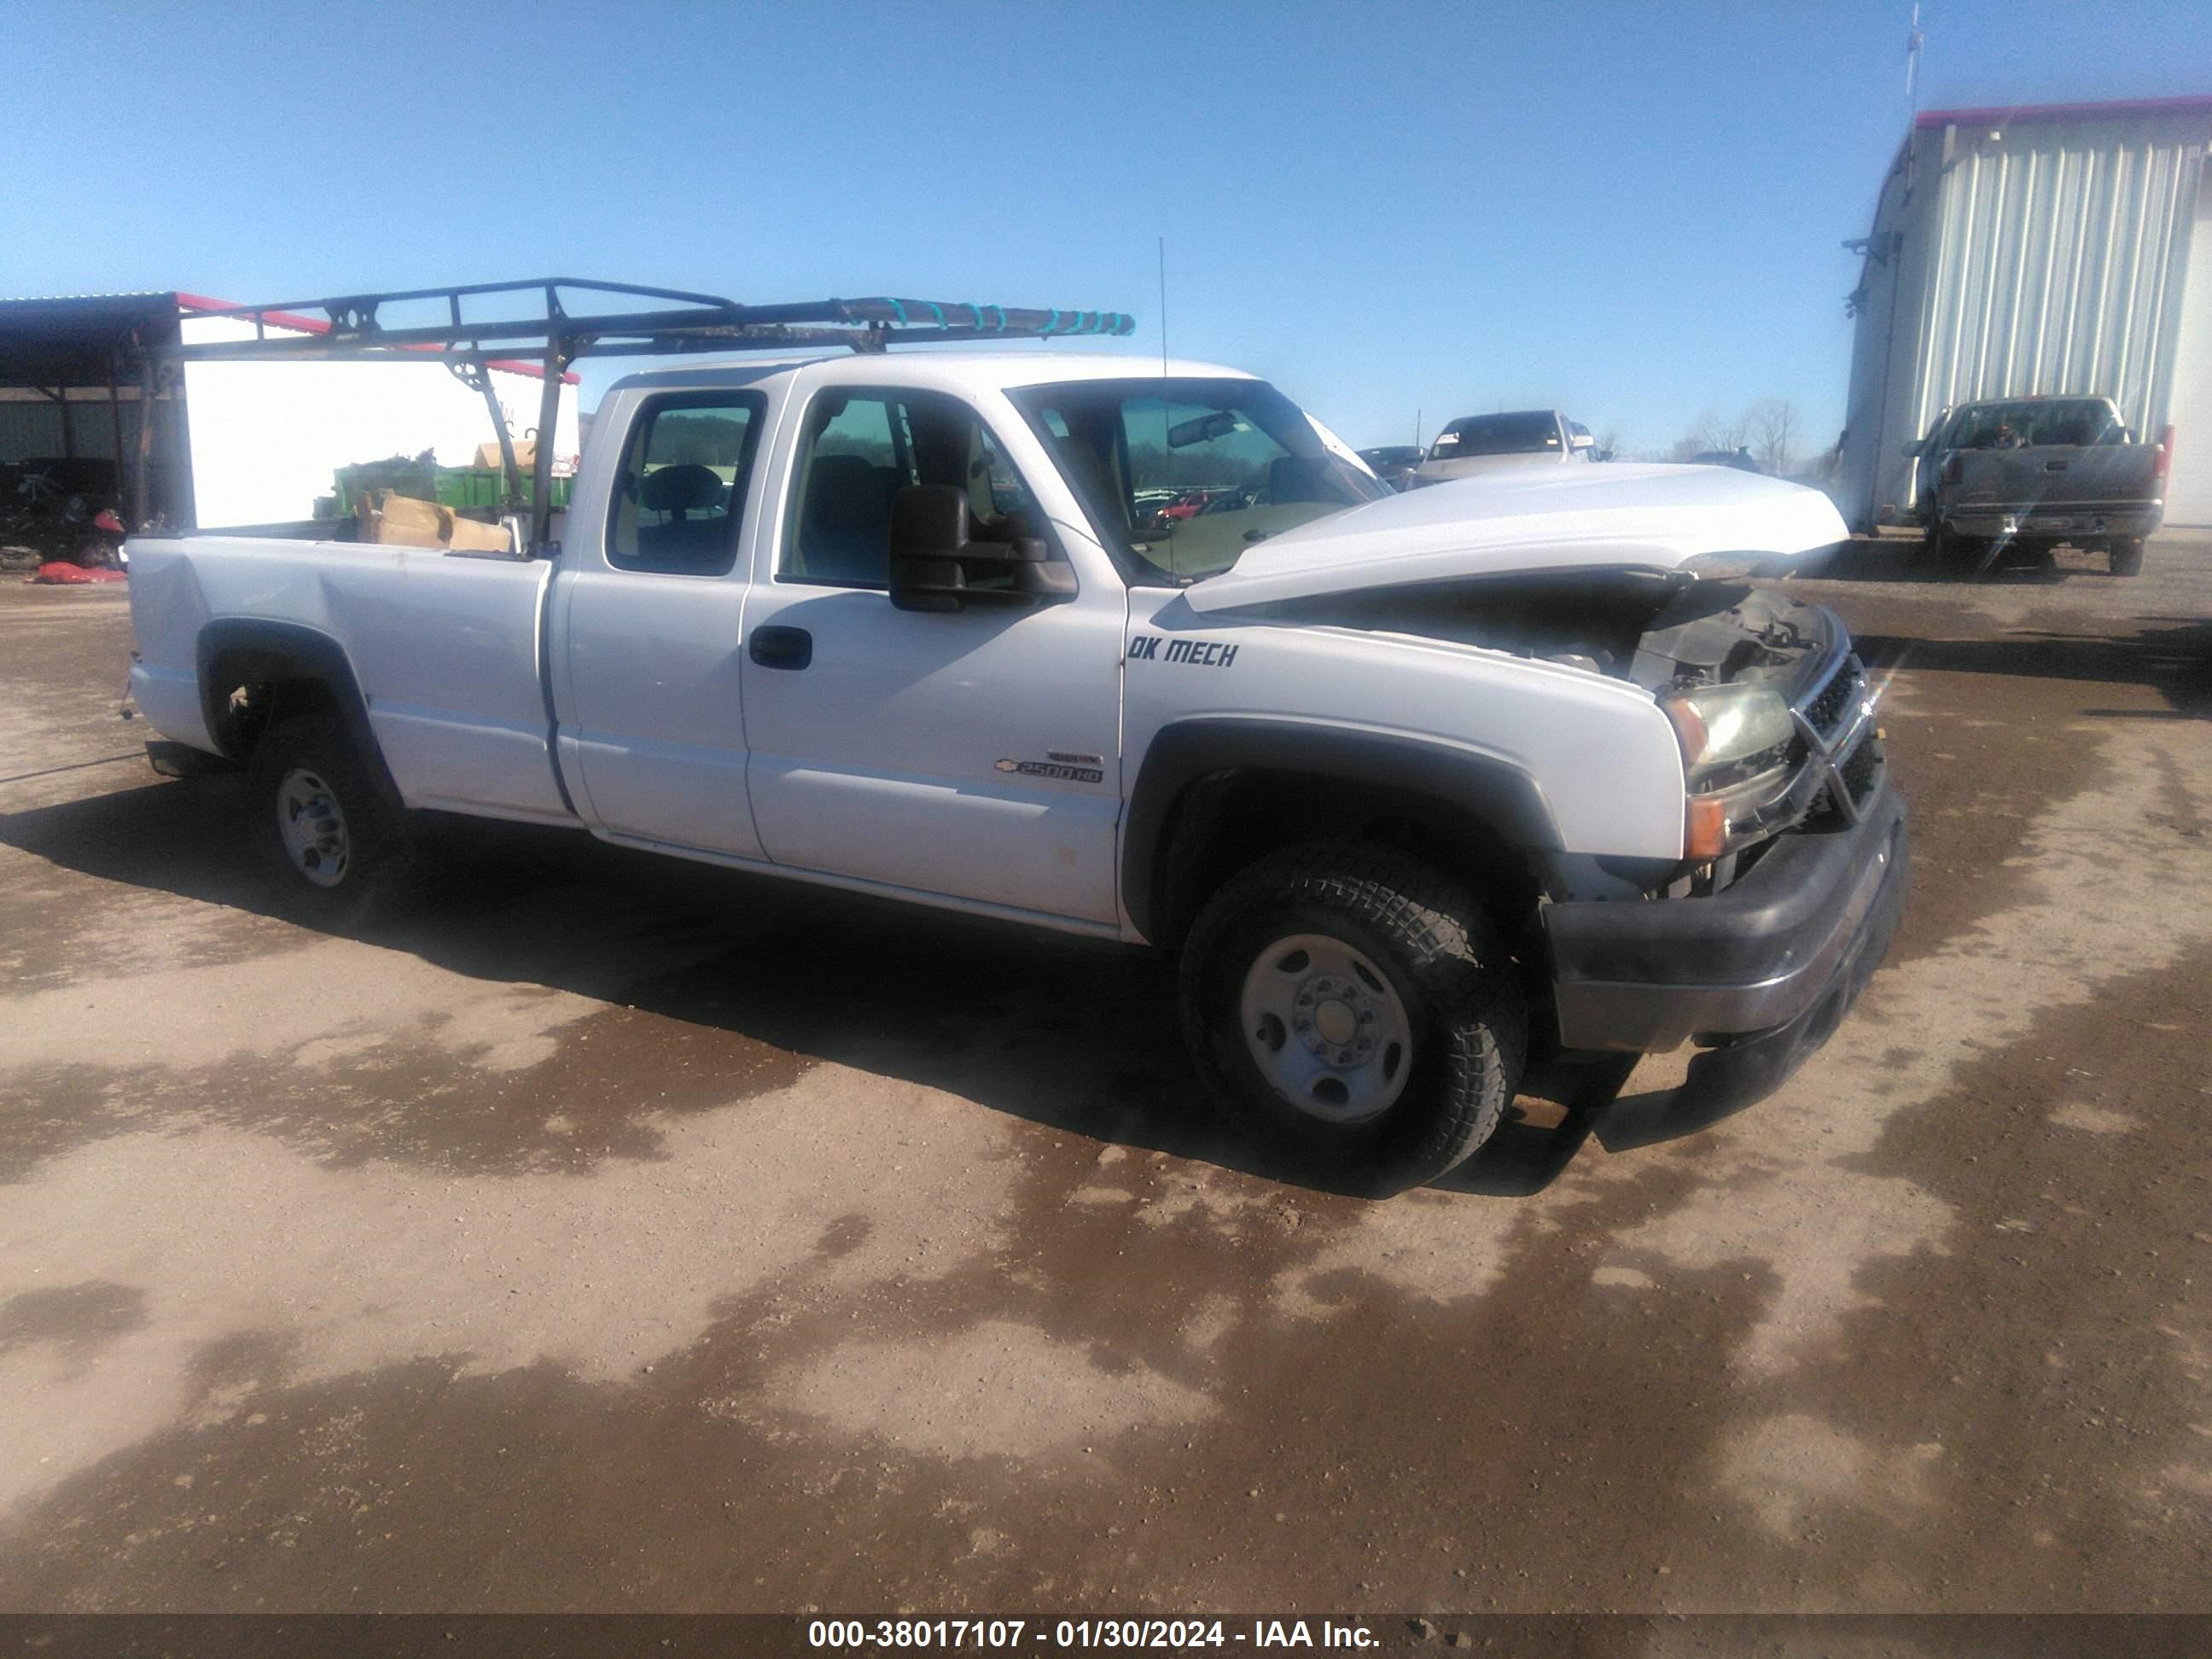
[610,1234]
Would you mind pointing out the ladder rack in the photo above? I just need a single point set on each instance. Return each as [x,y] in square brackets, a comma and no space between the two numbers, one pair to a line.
[567,319]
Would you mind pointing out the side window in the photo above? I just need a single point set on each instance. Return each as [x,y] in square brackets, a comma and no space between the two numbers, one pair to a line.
[858,449]
[683,483]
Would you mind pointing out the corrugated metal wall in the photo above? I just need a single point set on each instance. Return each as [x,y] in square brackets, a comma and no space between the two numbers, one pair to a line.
[2189,490]
[32,430]
[2060,257]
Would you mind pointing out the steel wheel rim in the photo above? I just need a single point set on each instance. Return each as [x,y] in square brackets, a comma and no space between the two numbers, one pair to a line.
[1326,1028]
[313,826]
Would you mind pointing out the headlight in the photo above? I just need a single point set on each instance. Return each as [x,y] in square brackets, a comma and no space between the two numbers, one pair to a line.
[1730,733]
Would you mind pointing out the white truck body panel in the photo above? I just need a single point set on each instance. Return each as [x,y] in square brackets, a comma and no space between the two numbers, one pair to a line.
[1620,793]
[1526,519]
[444,649]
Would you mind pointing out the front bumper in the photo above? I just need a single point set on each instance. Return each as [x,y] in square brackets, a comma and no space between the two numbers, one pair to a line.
[2056,524]
[1782,953]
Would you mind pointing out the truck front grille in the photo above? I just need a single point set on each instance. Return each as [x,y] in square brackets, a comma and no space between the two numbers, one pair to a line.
[1860,771]
[1831,704]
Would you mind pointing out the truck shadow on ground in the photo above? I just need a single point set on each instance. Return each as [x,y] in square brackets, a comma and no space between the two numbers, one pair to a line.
[2170,655]
[1076,1035]
[1896,559]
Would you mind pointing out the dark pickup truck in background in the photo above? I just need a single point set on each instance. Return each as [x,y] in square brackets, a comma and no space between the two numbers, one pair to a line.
[2028,473]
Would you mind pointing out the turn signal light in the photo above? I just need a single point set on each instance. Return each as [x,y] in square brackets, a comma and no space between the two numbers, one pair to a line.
[1704,830]
[1689,725]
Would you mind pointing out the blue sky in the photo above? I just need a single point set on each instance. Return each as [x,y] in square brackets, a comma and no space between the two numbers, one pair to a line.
[1631,211]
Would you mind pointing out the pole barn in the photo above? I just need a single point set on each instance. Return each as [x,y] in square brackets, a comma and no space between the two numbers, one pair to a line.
[2058,249]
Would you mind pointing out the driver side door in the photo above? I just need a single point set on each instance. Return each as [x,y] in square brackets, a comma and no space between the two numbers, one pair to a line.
[971,754]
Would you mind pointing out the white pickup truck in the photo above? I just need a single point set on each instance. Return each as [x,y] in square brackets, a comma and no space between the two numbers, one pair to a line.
[1411,783]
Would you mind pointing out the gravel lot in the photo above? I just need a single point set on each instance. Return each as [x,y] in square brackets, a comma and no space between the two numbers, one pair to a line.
[610,1234]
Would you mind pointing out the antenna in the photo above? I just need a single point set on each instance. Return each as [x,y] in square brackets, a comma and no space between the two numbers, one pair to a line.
[1163,307]
[1912,42]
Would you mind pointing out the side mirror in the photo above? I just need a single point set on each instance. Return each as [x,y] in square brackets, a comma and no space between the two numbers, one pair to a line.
[1582,440]
[934,566]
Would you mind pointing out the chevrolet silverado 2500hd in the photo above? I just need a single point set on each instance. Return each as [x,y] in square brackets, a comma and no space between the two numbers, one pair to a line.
[1407,782]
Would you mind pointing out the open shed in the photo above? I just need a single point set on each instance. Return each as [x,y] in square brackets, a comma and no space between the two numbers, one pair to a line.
[229,442]
[76,374]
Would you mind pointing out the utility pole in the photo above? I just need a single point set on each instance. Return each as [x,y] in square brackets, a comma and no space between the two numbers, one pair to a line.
[1163,307]
[1912,43]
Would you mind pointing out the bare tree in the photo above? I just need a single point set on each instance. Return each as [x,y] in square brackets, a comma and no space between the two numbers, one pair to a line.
[1774,429]
[1711,432]
[1770,429]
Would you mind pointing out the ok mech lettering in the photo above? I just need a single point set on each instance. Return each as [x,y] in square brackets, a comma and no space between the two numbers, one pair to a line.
[1199,653]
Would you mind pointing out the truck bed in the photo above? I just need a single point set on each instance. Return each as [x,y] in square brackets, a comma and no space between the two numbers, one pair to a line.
[444,648]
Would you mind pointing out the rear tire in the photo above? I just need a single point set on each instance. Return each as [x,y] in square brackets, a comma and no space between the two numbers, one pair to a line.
[1303,973]
[329,839]
[2126,556]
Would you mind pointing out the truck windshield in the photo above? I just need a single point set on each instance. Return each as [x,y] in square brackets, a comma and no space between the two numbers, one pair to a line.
[1182,474]
[1529,432]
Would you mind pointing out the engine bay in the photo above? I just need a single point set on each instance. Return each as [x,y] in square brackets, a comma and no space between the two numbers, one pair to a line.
[1663,631]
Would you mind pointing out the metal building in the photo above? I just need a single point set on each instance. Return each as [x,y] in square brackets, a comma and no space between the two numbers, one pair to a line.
[2065,248]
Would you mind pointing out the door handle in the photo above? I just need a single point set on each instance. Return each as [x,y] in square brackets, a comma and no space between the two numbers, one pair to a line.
[781,647]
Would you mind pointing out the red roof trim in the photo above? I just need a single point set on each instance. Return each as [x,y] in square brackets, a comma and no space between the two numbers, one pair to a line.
[1998,115]
[318,325]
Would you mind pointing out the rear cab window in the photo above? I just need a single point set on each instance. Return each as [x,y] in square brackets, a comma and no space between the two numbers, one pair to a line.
[2039,423]
[681,492]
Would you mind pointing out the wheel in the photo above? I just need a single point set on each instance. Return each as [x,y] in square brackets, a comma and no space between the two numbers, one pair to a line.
[328,837]
[2126,556]
[1352,1003]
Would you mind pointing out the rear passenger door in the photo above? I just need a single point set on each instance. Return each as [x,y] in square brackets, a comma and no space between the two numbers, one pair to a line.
[648,637]
[974,753]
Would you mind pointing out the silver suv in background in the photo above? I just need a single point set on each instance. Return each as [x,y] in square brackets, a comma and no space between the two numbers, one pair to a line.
[1476,444]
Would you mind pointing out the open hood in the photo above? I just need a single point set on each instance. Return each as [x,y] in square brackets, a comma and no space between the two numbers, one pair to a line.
[1531,519]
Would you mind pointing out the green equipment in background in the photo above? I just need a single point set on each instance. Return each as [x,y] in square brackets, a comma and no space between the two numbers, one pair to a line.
[477,487]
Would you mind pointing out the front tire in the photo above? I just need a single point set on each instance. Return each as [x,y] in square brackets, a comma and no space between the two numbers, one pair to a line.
[1352,1004]
[328,838]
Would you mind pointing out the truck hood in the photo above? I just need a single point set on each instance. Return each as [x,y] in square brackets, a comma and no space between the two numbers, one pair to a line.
[1531,519]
